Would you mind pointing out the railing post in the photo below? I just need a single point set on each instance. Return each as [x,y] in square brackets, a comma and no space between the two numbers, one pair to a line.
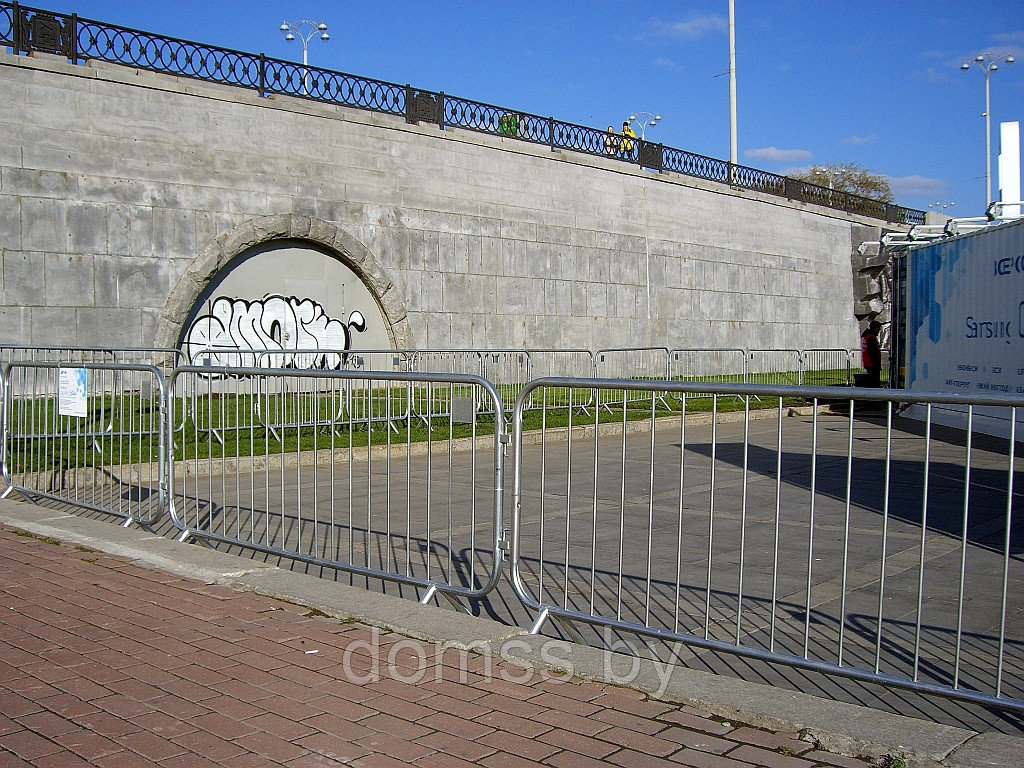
[16,29]
[551,133]
[263,76]
[440,110]
[650,155]
[73,39]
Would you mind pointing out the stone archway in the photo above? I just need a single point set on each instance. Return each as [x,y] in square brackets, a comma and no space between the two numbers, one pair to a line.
[264,229]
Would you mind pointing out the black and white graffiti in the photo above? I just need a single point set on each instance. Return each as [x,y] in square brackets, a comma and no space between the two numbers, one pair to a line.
[275,331]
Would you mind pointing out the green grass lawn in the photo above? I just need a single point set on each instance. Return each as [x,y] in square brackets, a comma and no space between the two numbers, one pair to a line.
[124,429]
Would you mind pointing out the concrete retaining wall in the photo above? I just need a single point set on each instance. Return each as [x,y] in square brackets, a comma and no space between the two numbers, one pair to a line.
[122,193]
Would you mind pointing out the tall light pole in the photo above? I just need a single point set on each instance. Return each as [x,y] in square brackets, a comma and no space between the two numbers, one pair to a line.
[643,119]
[304,29]
[989,63]
[733,150]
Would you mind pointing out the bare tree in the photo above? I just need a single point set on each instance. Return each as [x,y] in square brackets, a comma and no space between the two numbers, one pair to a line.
[848,177]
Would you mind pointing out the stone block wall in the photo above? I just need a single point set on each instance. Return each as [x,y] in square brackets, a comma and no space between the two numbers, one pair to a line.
[116,184]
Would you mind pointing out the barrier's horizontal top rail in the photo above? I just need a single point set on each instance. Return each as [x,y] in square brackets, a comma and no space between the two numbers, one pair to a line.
[632,349]
[79,38]
[899,396]
[300,373]
[92,366]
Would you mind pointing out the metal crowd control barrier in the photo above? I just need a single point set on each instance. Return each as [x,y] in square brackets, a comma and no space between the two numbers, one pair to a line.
[187,410]
[62,354]
[89,434]
[360,406]
[825,367]
[847,540]
[710,364]
[638,363]
[774,366]
[508,370]
[465,362]
[574,363]
[164,359]
[421,506]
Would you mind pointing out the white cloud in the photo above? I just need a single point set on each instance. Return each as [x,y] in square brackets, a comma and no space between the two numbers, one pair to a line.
[910,186]
[776,155]
[859,141]
[662,63]
[1015,38]
[695,28]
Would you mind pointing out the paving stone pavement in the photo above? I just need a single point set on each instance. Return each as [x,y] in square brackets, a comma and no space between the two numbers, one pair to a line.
[106,660]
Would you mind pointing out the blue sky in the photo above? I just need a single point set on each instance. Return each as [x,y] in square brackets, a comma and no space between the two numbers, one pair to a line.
[873,82]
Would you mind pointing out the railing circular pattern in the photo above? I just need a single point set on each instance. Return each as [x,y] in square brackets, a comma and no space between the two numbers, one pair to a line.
[130,47]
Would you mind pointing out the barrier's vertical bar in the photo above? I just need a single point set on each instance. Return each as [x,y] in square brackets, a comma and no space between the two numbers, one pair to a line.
[743,518]
[451,475]
[778,520]
[366,391]
[1006,550]
[650,509]
[963,548]
[711,512]
[810,529]
[543,493]
[388,413]
[350,485]
[568,510]
[410,394]
[622,509]
[885,533]
[594,507]
[679,512]
[430,468]
[924,531]
[846,534]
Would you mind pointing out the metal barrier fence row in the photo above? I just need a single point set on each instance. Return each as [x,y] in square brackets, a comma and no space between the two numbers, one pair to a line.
[279,461]
[410,504]
[813,542]
[27,29]
[93,435]
[509,370]
[674,511]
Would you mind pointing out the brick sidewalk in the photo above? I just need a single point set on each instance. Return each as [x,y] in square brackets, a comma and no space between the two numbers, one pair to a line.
[105,663]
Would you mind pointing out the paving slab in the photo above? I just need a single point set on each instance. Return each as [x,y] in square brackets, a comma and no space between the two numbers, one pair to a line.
[122,647]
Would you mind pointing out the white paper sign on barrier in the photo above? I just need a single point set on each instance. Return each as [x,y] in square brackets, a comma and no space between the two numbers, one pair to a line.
[71,394]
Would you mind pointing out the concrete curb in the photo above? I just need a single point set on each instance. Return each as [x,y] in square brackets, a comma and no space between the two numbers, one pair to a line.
[838,727]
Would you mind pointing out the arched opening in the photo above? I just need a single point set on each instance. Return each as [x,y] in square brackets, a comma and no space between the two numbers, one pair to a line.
[283,283]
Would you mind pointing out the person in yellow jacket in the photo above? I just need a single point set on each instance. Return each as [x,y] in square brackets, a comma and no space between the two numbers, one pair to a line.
[628,135]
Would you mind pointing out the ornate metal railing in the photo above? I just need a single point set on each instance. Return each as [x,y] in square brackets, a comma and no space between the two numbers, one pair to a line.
[25,30]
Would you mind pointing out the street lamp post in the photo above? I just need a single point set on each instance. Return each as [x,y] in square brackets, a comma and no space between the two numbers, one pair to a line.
[643,119]
[989,63]
[829,174]
[304,29]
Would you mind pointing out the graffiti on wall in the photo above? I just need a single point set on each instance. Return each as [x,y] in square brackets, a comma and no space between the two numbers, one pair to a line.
[275,331]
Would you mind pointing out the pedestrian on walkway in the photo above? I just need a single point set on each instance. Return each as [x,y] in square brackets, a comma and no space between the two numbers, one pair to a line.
[871,354]
[626,141]
[611,141]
